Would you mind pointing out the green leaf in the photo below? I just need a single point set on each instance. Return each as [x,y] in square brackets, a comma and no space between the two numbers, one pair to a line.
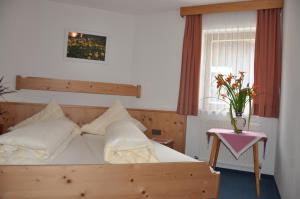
[232,118]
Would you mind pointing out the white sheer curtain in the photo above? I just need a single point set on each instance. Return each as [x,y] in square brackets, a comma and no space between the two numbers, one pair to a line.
[228,47]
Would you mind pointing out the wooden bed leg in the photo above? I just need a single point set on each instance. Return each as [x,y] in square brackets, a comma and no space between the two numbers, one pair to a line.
[214,152]
[256,168]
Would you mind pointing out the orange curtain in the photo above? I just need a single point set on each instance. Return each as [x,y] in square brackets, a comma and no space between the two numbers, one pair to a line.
[267,64]
[190,67]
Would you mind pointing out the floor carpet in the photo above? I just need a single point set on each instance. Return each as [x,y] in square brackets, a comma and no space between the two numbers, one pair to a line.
[241,185]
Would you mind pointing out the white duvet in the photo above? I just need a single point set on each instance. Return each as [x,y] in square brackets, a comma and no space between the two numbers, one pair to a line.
[36,144]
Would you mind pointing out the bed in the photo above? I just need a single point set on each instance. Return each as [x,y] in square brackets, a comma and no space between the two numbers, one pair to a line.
[177,176]
[81,172]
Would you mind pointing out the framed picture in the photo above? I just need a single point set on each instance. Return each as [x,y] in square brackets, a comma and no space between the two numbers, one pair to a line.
[87,46]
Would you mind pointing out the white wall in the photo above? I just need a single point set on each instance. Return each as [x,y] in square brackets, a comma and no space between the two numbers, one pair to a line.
[288,157]
[157,59]
[32,44]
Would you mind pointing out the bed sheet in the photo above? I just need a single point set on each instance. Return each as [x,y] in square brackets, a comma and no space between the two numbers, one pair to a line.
[77,152]
[164,153]
[88,149]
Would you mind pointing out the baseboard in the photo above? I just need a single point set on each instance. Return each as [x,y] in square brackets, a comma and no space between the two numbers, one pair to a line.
[247,168]
[239,167]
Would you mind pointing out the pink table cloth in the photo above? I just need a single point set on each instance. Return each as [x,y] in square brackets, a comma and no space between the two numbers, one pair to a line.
[238,143]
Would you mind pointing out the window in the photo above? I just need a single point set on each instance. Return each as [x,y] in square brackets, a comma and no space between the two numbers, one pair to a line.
[224,51]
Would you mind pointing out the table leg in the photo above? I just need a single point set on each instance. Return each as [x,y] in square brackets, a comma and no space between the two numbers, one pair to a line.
[256,168]
[214,152]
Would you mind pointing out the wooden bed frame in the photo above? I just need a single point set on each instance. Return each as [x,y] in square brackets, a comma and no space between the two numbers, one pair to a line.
[160,180]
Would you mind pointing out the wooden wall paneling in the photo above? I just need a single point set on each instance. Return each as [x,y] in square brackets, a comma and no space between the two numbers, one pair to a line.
[159,181]
[171,124]
[231,7]
[48,84]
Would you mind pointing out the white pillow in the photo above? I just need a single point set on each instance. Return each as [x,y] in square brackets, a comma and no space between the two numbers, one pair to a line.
[138,124]
[125,144]
[44,137]
[124,135]
[12,155]
[51,112]
[115,113]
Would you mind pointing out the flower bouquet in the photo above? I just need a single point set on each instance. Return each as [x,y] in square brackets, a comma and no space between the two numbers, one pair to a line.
[232,91]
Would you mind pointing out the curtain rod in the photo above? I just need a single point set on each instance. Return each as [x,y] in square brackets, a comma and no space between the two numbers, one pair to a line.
[231,7]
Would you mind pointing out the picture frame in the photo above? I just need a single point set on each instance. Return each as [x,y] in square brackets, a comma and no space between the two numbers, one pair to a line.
[85,46]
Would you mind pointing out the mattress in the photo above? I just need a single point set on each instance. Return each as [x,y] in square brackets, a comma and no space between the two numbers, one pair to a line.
[88,149]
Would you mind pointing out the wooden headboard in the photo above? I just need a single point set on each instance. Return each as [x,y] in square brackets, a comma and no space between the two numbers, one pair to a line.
[171,124]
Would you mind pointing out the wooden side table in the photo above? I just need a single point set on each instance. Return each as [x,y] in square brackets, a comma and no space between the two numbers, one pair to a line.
[164,141]
[215,152]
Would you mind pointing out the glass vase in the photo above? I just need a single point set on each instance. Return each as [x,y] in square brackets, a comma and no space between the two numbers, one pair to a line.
[238,122]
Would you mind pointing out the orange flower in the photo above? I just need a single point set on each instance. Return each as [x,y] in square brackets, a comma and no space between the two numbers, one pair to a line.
[242,74]
[229,78]
[219,76]
[220,83]
[253,93]
[220,80]
[234,85]
[241,78]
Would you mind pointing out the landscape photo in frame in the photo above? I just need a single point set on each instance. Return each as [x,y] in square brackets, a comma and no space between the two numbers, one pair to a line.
[86,46]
